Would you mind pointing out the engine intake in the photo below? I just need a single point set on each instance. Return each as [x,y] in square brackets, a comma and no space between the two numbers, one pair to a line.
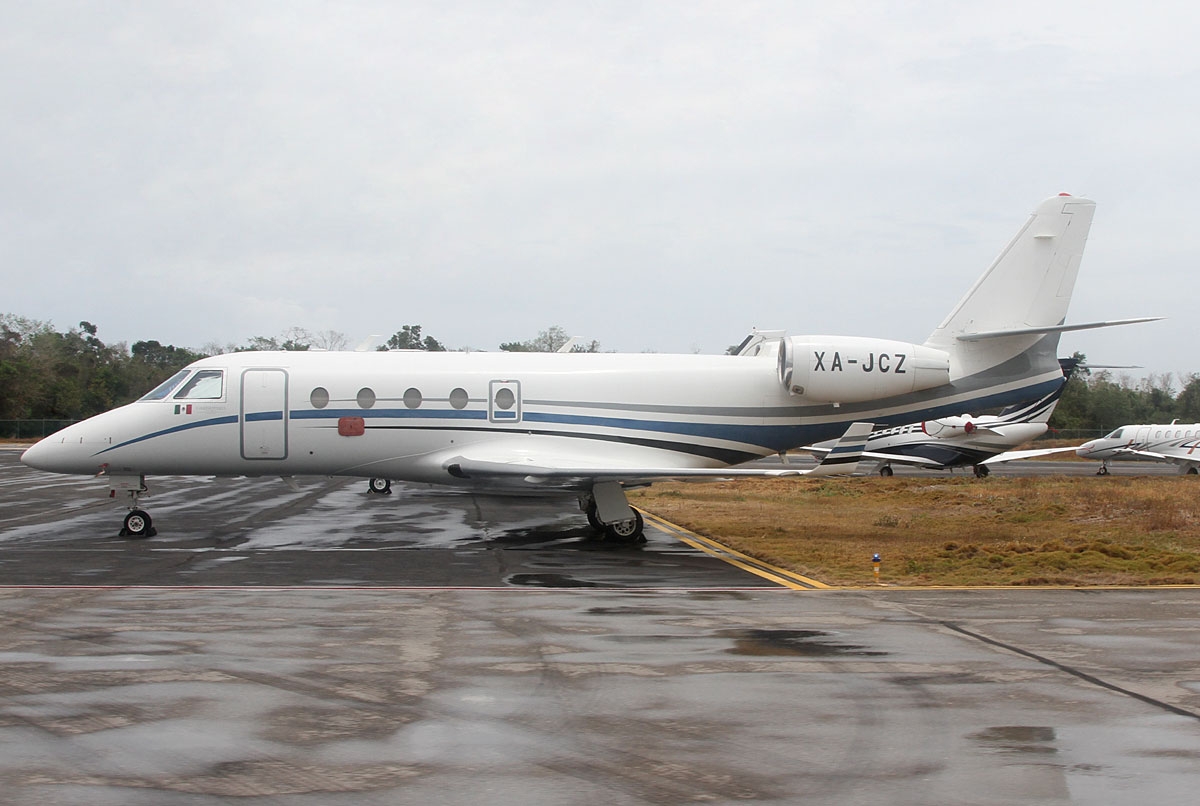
[851,369]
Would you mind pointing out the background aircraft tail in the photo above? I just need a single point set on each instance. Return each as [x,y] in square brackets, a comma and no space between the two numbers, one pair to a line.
[1014,312]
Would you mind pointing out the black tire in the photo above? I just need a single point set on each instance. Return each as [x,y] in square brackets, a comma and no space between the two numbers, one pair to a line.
[1191,471]
[981,471]
[593,518]
[137,524]
[1103,471]
[886,471]
[630,531]
[380,486]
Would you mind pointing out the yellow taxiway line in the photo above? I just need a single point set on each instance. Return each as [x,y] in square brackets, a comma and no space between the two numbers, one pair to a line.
[780,576]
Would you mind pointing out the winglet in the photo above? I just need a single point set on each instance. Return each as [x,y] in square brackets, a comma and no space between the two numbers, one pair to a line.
[846,453]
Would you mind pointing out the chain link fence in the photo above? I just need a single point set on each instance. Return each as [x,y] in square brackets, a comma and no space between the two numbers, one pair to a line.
[1073,434]
[31,429]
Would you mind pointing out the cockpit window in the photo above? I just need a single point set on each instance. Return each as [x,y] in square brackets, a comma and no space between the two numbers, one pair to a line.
[1115,434]
[207,384]
[164,388]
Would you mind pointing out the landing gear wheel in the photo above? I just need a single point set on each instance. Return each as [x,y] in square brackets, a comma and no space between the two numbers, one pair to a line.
[629,531]
[380,486]
[1191,471]
[1103,471]
[593,518]
[138,524]
[981,471]
[885,471]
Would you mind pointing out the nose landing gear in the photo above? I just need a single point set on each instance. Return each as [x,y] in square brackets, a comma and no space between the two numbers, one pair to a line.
[137,522]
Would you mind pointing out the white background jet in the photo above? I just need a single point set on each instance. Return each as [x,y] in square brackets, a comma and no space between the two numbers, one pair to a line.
[1175,442]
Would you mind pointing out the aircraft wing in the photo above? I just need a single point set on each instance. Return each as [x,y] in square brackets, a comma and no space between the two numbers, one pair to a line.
[1191,459]
[571,469]
[893,458]
[1010,456]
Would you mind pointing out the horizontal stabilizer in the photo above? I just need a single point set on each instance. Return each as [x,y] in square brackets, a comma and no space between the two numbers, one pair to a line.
[1032,331]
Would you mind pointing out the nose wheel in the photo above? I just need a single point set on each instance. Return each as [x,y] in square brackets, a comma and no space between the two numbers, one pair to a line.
[138,524]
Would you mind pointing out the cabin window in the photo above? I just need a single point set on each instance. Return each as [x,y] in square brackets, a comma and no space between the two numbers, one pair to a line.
[207,384]
[1158,434]
[166,387]
[459,398]
[366,397]
[319,397]
[412,398]
[505,399]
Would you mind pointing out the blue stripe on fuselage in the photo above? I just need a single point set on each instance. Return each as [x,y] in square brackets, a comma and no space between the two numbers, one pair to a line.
[176,429]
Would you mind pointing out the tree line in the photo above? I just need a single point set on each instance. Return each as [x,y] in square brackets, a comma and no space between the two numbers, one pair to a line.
[48,374]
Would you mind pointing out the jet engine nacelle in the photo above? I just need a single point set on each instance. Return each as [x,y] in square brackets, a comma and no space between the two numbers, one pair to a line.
[949,426]
[851,369]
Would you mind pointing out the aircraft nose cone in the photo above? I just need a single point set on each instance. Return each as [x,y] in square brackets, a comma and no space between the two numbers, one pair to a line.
[64,452]
[1085,449]
[39,456]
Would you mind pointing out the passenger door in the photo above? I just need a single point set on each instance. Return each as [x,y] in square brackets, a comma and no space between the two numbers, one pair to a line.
[264,414]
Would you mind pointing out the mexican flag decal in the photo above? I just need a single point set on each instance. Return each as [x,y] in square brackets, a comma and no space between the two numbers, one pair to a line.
[183,409]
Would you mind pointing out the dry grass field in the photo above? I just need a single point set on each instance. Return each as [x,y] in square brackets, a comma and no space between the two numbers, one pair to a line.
[952,531]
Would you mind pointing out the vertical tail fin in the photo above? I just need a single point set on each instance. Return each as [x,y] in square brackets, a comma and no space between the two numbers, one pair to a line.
[1027,287]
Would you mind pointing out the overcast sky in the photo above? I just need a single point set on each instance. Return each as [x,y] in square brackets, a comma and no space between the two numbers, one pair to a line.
[655,176]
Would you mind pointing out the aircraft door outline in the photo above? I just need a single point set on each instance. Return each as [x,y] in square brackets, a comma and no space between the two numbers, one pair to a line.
[264,413]
[504,401]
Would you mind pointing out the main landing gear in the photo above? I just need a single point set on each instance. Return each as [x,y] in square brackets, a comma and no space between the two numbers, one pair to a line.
[981,471]
[609,513]
[380,486]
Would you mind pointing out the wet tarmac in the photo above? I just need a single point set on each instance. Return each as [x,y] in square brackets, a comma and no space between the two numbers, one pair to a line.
[327,646]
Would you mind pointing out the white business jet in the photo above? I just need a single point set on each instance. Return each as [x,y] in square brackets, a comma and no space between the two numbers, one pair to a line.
[593,424]
[962,440]
[1175,442]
